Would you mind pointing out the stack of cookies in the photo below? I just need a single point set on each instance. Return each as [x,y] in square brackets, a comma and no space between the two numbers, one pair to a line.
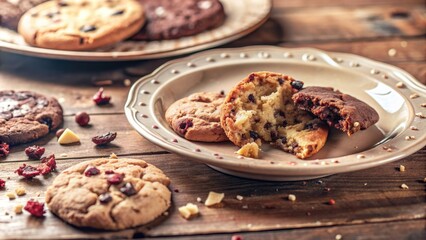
[84,24]
[273,108]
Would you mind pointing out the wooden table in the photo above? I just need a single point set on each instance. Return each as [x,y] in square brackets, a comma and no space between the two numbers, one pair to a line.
[370,204]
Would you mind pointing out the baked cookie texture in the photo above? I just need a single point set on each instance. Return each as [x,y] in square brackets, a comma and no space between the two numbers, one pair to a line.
[26,116]
[81,24]
[339,110]
[260,108]
[82,201]
[171,19]
[197,117]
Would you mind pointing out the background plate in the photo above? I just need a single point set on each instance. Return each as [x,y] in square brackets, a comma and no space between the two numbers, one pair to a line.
[243,17]
[220,69]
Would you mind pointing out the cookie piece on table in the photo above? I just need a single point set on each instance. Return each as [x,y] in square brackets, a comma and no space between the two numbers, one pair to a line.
[339,110]
[260,108]
[9,15]
[81,24]
[109,194]
[171,19]
[26,116]
[197,117]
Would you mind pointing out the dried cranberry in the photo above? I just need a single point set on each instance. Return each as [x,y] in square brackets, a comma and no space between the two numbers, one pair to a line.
[184,125]
[280,81]
[82,119]
[48,164]
[2,184]
[115,178]
[35,208]
[251,77]
[251,98]
[254,135]
[91,171]
[105,198]
[237,237]
[59,132]
[4,149]
[128,189]
[34,152]
[100,99]
[27,171]
[109,172]
[296,84]
[105,138]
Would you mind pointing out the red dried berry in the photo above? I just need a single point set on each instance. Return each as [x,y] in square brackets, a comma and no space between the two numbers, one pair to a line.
[91,171]
[4,149]
[34,152]
[27,171]
[100,99]
[82,119]
[105,138]
[35,208]
[331,201]
[237,237]
[48,164]
[2,184]
[59,132]
[109,172]
[115,178]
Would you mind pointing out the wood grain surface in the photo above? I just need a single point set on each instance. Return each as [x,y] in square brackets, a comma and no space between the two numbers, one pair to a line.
[370,204]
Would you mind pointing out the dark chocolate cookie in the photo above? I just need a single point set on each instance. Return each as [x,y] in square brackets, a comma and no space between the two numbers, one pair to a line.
[339,110]
[171,19]
[11,11]
[26,116]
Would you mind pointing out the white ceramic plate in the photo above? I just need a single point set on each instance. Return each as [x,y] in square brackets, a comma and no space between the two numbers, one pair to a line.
[220,69]
[243,17]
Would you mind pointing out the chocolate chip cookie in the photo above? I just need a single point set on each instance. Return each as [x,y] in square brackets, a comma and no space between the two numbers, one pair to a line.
[339,110]
[26,116]
[197,117]
[109,194]
[260,108]
[171,19]
[12,10]
[80,24]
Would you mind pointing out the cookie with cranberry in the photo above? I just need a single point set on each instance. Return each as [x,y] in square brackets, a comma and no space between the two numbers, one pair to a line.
[81,24]
[197,117]
[339,110]
[109,194]
[26,116]
[171,19]
[260,109]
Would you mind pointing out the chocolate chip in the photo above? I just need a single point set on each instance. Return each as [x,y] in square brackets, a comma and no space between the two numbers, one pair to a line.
[267,125]
[88,28]
[254,135]
[297,84]
[279,113]
[251,98]
[62,4]
[280,81]
[294,144]
[184,125]
[46,121]
[251,77]
[274,135]
[105,198]
[283,139]
[128,189]
[117,12]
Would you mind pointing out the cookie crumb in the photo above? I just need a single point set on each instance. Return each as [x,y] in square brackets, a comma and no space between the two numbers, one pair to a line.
[239,197]
[188,211]
[166,213]
[401,168]
[214,198]
[359,156]
[244,207]
[403,44]
[199,199]
[10,195]
[392,52]
[424,179]
[292,197]
[400,85]
[420,115]
[338,237]
[414,128]
[20,191]
[63,155]
[423,104]
[414,95]
[408,138]
[18,208]
[365,184]
[249,150]
[404,186]
[127,82]
[113,156]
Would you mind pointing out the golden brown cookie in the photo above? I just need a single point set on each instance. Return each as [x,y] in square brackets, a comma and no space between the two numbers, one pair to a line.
[81,24]
[197,117]
[109,194]
[260,108]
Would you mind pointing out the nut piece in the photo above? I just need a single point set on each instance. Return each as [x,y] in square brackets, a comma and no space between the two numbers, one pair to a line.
[214,199]
[82,119]
[249,150]
[292,197]
[10,195]
[18,208]
[400,85]
[404,186]
[401,168]
[68,137]
[189,210]
[20,191]
[239,197]
[113,156]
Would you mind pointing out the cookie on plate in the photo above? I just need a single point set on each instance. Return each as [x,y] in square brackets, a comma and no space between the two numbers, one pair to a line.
[171,19]
[260,108]
[12,10]
[109,194]
[81,24]
[197,117]
[339,110]
[26,116]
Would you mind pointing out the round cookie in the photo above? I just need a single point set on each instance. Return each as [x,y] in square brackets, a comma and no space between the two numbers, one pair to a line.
[80,24]
[197,117]
[171,19]
[26,116]
[109,194]
[339,110]
[260,108]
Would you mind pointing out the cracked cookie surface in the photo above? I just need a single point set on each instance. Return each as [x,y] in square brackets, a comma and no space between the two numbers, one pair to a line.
[109,194]
[80,24]
[260,108]
[26,116]
[339,110]
[197,117]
